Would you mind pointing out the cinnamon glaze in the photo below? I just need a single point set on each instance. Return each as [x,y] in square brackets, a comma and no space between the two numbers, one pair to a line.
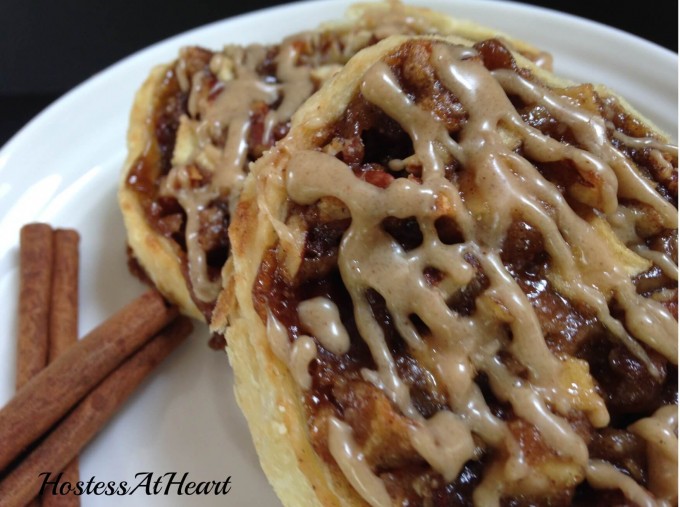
[488,275]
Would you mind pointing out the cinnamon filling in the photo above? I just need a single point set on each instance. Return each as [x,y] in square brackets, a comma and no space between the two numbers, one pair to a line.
[487,305]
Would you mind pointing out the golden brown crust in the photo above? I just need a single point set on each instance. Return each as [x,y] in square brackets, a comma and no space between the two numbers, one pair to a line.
[266,392]
[297,474]
[154,252]
[446,25]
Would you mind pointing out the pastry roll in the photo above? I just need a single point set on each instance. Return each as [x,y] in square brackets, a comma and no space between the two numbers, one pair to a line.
[199,121]
[454,282]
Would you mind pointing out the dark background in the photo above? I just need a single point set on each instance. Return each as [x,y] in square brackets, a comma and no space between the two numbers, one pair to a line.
[42,54]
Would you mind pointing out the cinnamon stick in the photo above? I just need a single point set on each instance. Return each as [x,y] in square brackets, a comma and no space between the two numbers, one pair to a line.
[64,298]
[35,277]
[64,331]
[89,416]
[55,390]
[35,281]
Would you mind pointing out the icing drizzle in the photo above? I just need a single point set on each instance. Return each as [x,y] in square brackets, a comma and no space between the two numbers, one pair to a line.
[222,123]
[586,265]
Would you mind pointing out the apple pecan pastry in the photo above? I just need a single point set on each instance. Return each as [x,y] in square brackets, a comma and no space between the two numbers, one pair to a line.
[199,121]
[454,282]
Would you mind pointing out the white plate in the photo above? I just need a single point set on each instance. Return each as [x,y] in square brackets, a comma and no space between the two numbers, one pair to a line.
[63,169]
